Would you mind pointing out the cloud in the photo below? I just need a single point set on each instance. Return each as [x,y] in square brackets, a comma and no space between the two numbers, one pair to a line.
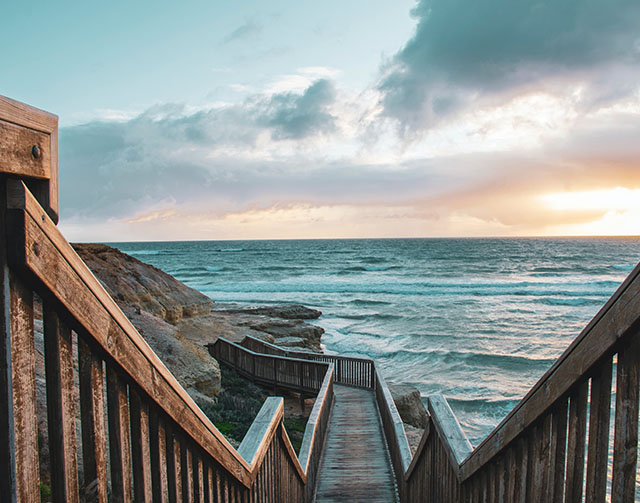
[466,53]
[246,30]
[293,163]
[294,116]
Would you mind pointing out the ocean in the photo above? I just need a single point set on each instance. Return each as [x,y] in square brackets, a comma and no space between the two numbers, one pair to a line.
[478,320]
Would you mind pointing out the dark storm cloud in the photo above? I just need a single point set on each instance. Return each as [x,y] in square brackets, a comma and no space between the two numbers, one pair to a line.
[294,116]
[214,159]
[463,51]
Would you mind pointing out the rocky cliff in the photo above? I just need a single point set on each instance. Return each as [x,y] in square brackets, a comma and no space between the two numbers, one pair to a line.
[177,321]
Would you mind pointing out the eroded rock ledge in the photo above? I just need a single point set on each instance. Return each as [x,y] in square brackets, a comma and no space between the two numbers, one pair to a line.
[177,321]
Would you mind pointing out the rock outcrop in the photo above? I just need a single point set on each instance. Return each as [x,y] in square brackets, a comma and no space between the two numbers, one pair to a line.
[409,404]
[136,285]
[157,303]
[178,321]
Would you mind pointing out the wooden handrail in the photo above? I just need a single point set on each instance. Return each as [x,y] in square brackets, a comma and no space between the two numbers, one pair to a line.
[304,376]
[42,252]
[294,371]
[392,422]
[349,370]
[446,424]
[168,432]
[619,317]
[321,409]
[542,447]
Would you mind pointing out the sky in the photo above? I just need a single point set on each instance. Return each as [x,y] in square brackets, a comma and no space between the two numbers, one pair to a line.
[294,119]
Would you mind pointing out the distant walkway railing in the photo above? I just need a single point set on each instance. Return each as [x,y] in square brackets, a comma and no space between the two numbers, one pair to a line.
[349,371]
[303,376]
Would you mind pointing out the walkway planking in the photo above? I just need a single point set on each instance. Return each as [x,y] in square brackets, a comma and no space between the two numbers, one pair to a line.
[355,465]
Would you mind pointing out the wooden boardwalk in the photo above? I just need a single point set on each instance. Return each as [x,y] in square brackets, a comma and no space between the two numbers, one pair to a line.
[355,466]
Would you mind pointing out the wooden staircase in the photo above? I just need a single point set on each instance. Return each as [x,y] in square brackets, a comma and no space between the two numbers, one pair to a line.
[573,437]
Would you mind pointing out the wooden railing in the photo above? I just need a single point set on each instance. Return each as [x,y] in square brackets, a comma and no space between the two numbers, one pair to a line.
[558,443]
[302,376]
[350,371]
[141,437]
[394,432]
[159,444]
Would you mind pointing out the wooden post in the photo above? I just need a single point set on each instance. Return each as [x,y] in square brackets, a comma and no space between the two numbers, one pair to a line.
[92,410]
[140,450]
[60,407]
[19,463]
[119,440]
[275,376]
[300,372]
[625,443]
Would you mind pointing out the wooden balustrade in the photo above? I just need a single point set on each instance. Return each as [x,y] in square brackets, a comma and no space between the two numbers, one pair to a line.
[557,444]
[303,376]
[393,431]
[350,371]
[142,436]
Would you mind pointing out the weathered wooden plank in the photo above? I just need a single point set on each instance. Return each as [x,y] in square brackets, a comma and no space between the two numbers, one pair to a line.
[598,446]
[60,406]
[119,440]
[625,443]
[544,459]
[82,295]
[185,472]
[576,443]
[354,464]
[23,435]
[34,119]
[27,116]
[7,478]
[180,467]
[24,152]
[252,448]
[558,452]
[172,475]
[158,455]
[395,434]
[454,440]
[140,449]
[92,414]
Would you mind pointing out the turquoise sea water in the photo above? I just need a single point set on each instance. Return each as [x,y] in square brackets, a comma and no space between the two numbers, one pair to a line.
[479,320]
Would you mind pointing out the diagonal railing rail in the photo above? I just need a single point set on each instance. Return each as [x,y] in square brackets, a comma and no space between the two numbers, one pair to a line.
[158,443]
[572,438]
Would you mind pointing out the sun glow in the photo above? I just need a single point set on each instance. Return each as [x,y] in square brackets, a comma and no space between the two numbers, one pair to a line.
[618,199]
[618,211]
